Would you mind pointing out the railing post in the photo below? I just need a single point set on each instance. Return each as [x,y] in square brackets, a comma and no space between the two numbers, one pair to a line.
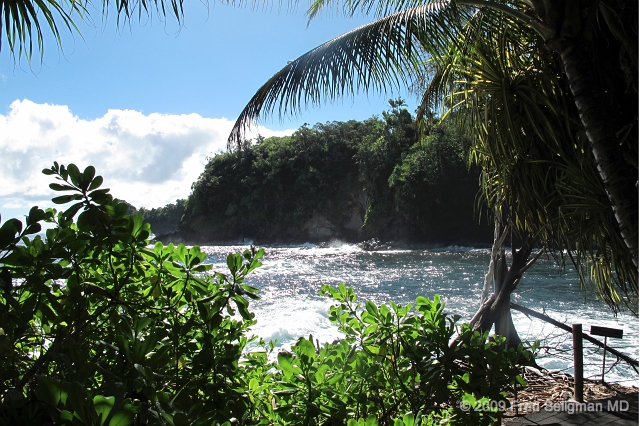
[604,357]
[578,373]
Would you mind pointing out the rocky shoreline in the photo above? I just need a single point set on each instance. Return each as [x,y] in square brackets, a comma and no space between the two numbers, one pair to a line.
[371,244]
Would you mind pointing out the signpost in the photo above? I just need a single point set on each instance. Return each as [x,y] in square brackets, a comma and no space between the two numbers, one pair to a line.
[606,332]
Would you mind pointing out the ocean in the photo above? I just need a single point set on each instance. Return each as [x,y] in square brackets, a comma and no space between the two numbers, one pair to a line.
[290,306]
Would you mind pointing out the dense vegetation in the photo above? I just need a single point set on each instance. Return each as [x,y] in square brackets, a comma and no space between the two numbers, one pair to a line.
[164,219]
[349,180]
[99,328]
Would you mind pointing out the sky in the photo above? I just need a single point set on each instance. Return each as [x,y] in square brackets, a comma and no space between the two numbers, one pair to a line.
[147,102]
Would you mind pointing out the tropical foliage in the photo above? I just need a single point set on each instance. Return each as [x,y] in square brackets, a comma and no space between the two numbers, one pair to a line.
[551,94]
[100,328]
[541,178]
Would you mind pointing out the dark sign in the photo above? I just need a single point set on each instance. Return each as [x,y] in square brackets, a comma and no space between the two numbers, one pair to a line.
[606,332]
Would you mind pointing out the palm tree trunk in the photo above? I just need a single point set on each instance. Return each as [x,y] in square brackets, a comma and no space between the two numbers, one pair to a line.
[620,187]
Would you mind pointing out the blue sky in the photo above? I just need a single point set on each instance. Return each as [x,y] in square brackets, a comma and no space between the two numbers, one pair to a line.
[211,66]
[147,103]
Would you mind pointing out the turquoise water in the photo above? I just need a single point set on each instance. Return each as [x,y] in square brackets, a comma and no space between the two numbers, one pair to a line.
[291,276]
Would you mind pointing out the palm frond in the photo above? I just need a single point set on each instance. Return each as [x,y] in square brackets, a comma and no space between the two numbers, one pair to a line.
[25,20]
[537,164]
[21,21]
[384,54]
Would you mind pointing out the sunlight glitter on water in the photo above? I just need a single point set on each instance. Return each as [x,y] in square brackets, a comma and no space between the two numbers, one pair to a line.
[291,277]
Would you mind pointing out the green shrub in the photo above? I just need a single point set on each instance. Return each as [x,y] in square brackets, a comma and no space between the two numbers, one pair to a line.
[98,328]
[393,366]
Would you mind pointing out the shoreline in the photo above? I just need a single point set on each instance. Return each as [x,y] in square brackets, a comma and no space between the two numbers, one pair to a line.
[372,244]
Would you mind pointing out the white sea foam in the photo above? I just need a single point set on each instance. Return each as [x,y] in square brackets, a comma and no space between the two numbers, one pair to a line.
[286,320]
[291,277]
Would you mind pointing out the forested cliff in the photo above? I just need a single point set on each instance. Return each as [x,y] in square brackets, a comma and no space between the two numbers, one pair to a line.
[351,181]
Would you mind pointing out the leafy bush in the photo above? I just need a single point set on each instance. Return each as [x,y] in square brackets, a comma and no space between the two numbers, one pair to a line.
[101,329]
[393,366]
[98,328]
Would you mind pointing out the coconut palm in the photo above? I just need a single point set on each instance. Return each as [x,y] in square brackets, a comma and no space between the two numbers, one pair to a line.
[551,93]
[25,20]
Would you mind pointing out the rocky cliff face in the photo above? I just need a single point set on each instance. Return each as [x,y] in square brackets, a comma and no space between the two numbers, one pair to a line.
[339,217]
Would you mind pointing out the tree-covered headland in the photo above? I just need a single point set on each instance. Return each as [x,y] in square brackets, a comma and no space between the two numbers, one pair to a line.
[164,219]
[349,180]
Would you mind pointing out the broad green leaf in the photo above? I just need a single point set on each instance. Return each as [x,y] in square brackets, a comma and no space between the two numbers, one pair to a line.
[305,349]
[87,175]
[371,308]
[12,225]
[77,401]
[74,174]
[50,391]
[371,421]
[138,221]
[33,229]
[253,384]
[103,406]
[66,198]
[336,378]
[35,215]
[320,373]
[95,183]
[71,211]
[384,311]
[123,417]
[285,362]
[101,196]
[370,329]
[408,420]
[181,253]
[202,268]
[142,324]
[242,308]
[64,173]
[59,187]
[234,262]
[342,288]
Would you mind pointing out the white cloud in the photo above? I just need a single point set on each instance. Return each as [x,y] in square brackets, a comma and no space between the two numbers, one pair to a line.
[148,160]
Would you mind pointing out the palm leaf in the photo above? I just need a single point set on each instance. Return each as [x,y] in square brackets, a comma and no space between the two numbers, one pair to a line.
[537,165]
[25,20]
[384,54]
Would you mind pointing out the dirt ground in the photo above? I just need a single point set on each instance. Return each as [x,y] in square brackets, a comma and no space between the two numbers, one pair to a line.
[545,387]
